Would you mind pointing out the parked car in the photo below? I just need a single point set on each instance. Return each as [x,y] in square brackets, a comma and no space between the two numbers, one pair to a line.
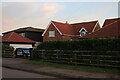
[23,52]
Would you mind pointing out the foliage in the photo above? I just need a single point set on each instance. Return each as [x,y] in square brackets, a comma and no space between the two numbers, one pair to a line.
[102,52]
[7,51]
[101,44]
[7,47]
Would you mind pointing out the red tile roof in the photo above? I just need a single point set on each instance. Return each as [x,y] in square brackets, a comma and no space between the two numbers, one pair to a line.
[108,21]
[73,29]
[89,26]
[64,28]
[111,28]
[14,37]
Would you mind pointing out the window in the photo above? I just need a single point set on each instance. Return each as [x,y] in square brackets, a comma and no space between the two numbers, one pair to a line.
[22,34]
[51,33]
[83,32]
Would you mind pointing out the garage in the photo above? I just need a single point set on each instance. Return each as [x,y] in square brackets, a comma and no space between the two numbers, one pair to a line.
[18,42]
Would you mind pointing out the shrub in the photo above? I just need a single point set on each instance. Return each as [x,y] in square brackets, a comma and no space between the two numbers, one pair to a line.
[102,52]
[101,44]
[7,51]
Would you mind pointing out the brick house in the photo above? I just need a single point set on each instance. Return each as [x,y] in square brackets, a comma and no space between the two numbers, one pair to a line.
[66,31]
[110,28]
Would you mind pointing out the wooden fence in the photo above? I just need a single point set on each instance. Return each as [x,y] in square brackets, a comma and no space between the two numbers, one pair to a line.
[109,59]
[7,53]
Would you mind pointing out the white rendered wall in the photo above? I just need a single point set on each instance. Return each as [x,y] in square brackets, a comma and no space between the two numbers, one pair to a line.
[21,45]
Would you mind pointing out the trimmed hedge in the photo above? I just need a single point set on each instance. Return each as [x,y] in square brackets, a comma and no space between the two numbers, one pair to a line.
[102,44]
[102,52]
[7,51]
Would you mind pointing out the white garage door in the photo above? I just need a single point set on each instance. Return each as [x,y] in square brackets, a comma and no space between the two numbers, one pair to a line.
[21,45]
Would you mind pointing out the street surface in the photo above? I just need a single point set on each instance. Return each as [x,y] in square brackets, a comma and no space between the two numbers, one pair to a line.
[11,73]
[17,63]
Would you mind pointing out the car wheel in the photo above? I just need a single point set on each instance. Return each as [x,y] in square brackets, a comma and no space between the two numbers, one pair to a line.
[23,55]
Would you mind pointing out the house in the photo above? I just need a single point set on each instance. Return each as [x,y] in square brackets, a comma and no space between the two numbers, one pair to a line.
[110,28]
[66,31]
[31,33]
[17,41]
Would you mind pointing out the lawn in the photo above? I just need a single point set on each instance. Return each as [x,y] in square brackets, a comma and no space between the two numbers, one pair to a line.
[74,67]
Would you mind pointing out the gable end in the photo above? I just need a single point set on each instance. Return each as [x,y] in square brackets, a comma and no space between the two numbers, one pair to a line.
[51,23]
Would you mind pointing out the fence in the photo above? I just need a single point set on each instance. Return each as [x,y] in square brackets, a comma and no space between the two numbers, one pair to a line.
[109,59]
[7,53]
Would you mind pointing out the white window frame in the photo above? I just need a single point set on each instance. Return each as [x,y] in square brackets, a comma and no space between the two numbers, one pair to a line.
[51,33]
[22,34]
[81,31]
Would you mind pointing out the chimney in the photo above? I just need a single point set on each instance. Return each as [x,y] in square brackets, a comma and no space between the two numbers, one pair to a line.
[66,22]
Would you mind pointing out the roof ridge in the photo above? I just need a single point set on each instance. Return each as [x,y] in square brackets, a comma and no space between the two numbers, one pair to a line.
[113,18]
[60,22]
[25,29]
[85,22]
[10,35]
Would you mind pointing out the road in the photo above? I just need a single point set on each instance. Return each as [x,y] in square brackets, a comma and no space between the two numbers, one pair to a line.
[11,73]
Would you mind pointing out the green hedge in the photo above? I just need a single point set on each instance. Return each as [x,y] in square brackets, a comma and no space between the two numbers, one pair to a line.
[7,51]
[103,52]
[103,44]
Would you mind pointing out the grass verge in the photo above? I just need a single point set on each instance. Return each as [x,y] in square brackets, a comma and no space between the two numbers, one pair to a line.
[74,67]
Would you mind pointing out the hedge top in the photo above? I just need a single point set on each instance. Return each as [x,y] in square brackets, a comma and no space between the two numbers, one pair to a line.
[98,44]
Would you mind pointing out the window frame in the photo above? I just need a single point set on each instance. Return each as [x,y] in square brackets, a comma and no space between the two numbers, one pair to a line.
[22,34]
[51,33]
[85,32]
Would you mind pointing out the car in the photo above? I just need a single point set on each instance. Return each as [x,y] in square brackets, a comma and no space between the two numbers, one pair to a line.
[23,52]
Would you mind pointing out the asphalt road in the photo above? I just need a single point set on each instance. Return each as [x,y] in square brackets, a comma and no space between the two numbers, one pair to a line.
[11,73]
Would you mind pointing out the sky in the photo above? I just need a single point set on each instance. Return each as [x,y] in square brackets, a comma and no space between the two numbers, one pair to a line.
[39,14]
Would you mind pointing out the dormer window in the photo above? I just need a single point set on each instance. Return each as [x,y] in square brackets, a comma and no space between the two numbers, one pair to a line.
[83,32]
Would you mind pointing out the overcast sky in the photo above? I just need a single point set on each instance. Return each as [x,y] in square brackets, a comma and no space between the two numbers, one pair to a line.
[39,14]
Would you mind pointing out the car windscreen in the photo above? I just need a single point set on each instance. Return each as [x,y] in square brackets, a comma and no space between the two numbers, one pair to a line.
[19,50]
[26,51]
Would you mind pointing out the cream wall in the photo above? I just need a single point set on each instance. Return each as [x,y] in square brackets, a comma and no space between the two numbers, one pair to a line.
[21,45]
